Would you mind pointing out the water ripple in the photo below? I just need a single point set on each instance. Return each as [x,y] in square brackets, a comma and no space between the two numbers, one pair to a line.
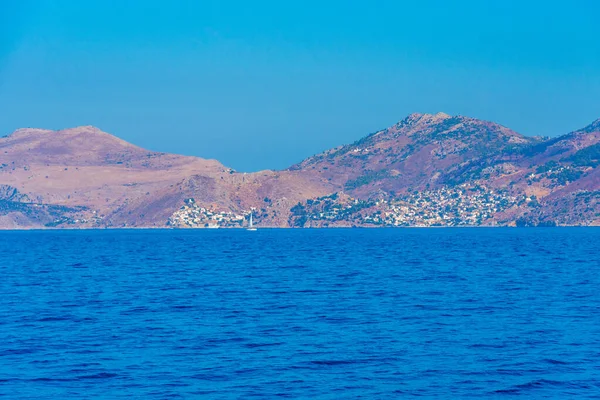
[341,313]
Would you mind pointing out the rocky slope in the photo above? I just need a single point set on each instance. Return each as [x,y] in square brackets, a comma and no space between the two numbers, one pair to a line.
[425,170]
[420,151]
[98,180]
[427,153]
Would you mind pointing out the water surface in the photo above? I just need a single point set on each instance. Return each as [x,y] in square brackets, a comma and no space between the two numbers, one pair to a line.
[328,314]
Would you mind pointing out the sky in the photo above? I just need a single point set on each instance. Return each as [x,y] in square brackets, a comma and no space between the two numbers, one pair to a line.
[265,84]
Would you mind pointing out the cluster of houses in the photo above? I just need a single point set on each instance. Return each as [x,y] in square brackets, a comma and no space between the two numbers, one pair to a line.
[463,205]
[192,215]
[467,205]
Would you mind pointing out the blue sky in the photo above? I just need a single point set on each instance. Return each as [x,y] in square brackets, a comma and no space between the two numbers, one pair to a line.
[264,84]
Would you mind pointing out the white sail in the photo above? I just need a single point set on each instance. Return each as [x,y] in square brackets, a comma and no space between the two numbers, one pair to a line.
[250,226]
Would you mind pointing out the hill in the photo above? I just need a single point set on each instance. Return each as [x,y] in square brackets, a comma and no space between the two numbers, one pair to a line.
[443,170]
[83,177]
[425,170]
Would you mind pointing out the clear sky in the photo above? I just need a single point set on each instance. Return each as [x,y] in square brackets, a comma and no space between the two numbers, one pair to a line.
[264,84]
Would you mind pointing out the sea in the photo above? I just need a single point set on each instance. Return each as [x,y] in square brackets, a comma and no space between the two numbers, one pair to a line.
[300,313]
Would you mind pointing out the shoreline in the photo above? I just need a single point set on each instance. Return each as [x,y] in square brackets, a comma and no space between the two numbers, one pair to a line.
[43,229]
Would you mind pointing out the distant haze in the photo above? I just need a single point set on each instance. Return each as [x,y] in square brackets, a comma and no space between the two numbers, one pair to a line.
[266,84]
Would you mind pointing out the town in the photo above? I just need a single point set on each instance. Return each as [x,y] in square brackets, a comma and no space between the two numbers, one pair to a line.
[192,215]
[463,205]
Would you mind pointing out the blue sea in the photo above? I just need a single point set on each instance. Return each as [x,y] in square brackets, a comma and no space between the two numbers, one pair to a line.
[313,313]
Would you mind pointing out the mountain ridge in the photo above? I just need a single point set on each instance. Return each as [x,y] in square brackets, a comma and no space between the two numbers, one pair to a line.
[84,177]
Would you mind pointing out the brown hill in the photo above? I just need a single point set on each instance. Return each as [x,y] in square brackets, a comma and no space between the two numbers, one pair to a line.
[423,150]
[426,169]
[427,152]
[106,181]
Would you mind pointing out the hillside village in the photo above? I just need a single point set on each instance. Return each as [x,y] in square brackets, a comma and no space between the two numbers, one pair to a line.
[464,205]
[193,215]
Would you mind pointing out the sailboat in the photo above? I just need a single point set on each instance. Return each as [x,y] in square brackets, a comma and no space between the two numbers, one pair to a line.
[250,227]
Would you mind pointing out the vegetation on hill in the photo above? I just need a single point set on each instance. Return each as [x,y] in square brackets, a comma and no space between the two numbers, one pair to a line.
[424,170]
